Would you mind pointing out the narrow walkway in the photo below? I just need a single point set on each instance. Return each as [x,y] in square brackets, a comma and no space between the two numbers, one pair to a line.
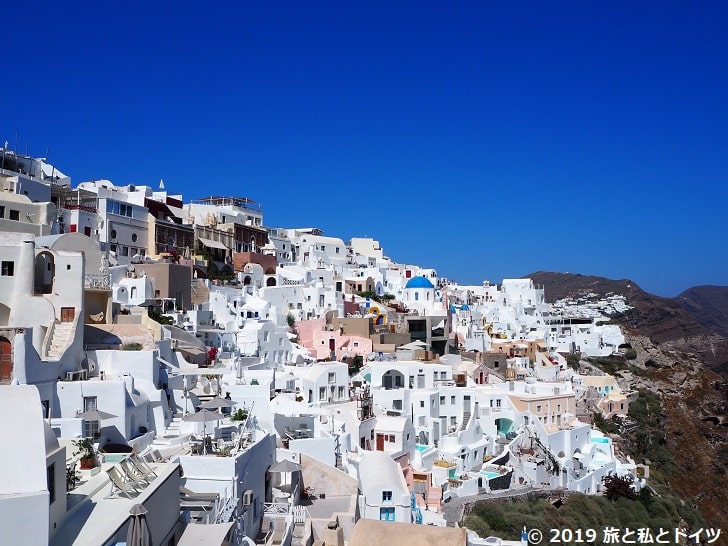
[453,509]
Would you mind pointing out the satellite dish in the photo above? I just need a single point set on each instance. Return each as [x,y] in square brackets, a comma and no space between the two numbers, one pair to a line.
[141,273]
[130,268]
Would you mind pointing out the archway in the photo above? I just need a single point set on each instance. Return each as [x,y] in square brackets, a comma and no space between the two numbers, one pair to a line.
[270,282]
[392,379]
[44,273]
[246,280]
[504,425]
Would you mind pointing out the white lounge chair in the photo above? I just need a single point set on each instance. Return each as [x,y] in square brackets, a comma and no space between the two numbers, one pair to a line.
[142,466]
[134,475]
[119,485]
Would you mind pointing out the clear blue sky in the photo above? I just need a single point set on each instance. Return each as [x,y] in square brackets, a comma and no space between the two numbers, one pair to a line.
[485,139]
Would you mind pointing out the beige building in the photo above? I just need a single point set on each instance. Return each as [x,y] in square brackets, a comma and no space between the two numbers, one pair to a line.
[171,280]
[549,408]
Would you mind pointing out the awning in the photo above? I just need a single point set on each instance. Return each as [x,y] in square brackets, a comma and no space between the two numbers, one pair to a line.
[211,534]
[212,244]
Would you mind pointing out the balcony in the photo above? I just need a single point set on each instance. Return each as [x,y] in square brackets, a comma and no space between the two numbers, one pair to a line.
[96,282]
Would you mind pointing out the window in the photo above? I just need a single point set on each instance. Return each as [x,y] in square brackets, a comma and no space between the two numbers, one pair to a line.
[558,408]
[91,429]
[14,214]
[341,393]
[332,377]
[386,514]
[391,438]
[538,409]
[337,249]
[51,478]
[498,403]
[113,234]
[397,404]
[442,400]
[134,237]
[2,212]
[422,403]
[386,496]
[8,269]
[322,393]
[452,400]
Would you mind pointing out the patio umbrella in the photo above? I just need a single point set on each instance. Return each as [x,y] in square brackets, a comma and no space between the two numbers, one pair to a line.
[217,402]
[203,416]
[95,415]
[138,531]
[285,466]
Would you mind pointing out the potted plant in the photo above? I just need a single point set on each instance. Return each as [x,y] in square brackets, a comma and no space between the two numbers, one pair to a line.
[239,415]
[85,448]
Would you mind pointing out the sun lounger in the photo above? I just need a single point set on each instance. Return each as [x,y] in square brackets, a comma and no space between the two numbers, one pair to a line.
[119,485]
[189,495]
[134,475]
[142,466]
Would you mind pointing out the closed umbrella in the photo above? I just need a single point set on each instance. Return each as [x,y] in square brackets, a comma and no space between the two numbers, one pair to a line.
[203,416]
[138,532]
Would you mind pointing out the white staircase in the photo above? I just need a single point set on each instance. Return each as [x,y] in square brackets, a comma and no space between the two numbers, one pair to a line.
[62,335]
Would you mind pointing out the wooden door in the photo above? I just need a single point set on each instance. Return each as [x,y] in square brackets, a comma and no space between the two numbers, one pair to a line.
[380,442]
[67,314]
[6,360]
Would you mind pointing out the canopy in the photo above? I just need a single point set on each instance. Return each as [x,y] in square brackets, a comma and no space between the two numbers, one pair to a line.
[217,402]
[203,416]
[286,465]
[95,415]
[211,534]
[212,244]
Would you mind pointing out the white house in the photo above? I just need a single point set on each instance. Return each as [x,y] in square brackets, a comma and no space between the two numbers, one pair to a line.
[384,493]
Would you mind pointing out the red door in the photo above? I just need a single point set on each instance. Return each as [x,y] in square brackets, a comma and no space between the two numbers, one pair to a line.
[380,442]
[67,314]
[6,360]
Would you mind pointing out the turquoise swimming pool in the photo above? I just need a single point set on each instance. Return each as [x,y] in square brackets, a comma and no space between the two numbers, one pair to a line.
[489,474]
[421,447]
[600,440]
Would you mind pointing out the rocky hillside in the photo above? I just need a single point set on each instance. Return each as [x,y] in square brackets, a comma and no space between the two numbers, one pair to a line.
[681,369]
[685,437]
[674,324]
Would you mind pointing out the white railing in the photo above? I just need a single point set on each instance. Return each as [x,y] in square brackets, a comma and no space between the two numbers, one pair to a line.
[97,282]
[276,508]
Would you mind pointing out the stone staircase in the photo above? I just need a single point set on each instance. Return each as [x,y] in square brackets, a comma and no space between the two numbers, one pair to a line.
[62,335]
[465,421]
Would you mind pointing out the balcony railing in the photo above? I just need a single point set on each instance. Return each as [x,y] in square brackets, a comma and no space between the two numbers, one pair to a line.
[97,282]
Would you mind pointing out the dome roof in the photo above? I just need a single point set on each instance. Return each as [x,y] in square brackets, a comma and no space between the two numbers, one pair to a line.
[419,282]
